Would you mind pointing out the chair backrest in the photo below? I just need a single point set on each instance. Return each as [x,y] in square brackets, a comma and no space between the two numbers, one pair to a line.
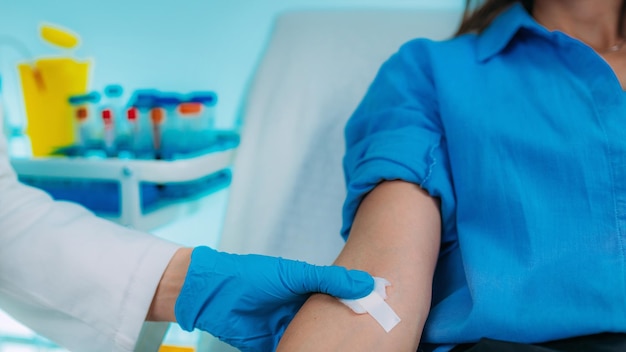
[288,185]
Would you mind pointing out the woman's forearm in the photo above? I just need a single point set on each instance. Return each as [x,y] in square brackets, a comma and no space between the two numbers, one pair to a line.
[395,235]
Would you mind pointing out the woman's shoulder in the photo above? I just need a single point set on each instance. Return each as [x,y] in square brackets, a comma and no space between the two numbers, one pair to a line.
[428,55]
[457,45]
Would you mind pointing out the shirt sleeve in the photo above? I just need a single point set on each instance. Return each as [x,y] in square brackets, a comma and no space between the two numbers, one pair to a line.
[82,281]
[396,133]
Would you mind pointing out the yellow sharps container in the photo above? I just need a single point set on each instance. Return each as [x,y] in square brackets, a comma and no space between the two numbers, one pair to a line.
[46,86]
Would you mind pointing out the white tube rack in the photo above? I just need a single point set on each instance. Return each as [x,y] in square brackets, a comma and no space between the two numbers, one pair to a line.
[130,173]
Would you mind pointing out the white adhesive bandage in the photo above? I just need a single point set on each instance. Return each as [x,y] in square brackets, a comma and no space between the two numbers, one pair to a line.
[375,305]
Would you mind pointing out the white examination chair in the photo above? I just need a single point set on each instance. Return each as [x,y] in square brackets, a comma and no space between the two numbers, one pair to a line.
[288,186]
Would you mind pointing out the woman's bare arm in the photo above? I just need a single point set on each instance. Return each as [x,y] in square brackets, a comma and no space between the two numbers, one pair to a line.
[395,235]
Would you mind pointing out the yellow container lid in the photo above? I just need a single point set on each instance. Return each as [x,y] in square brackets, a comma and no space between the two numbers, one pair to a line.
[168,348]
[58,36]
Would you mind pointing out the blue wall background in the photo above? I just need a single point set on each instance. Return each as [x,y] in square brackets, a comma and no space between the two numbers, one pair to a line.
[170,45]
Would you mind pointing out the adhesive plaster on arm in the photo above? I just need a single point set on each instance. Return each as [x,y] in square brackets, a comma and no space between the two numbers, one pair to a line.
[375,305]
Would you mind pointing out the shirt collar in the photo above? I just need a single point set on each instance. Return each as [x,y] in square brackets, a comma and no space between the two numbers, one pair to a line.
[502,30]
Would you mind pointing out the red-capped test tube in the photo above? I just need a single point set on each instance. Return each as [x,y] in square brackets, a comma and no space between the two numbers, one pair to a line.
[109,130]
[157,116]
[81,110]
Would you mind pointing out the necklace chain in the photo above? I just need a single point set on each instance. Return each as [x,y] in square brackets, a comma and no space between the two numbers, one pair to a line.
[616,47]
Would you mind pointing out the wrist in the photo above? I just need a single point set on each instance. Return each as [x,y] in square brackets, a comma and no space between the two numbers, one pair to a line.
[164,300]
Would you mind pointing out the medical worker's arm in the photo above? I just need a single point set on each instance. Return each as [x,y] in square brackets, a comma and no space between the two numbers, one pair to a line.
[83,282]
[89,284]
[395,235]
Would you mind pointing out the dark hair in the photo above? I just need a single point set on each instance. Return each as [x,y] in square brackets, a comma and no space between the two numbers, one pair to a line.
[479,14]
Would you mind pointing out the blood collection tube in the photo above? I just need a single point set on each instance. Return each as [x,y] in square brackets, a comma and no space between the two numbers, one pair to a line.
[190,125]
[157,117]
[85,135]
[132,116]
[202,127]
[113,102]
[207,115]
[139,118]
[109,131]
[166,126]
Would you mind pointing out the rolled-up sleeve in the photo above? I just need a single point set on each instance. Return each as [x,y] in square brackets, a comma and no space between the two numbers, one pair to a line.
[396,133]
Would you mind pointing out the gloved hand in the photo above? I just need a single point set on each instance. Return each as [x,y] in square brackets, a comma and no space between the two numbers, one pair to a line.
[248,300]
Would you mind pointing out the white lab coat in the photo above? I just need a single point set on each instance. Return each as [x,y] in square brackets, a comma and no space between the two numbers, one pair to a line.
[81,281]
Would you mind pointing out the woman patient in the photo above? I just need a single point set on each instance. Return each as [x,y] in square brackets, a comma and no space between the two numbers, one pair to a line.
[486,181]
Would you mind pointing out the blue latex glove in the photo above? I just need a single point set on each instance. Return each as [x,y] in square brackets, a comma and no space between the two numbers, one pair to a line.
[248,300]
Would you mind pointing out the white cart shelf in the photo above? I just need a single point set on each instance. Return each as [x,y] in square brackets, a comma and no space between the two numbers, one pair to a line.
[130,173]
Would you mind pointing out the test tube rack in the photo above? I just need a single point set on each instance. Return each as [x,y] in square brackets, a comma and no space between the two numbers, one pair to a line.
[130,174]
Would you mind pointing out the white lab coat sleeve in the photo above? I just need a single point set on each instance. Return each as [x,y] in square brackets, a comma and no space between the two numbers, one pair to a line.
[81,281]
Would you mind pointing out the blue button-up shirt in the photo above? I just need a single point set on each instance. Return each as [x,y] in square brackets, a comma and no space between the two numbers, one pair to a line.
[521,132]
